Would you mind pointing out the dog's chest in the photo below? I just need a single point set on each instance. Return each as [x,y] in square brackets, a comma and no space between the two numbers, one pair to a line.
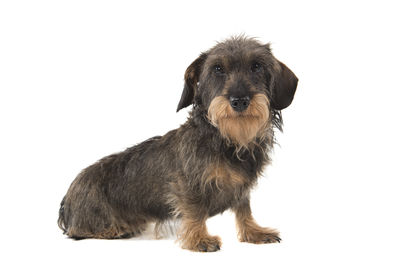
[224,186]
[223,197]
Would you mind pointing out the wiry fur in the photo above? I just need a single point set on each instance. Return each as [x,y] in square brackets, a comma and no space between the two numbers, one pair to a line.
[204,167]
[242,128]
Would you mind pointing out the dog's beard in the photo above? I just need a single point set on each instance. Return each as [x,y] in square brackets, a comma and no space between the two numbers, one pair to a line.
[240,128]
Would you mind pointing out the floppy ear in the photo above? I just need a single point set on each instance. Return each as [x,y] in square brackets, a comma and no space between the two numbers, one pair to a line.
[192,75]
[284,88]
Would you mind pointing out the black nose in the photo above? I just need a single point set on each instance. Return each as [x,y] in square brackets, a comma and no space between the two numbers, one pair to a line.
[239,103]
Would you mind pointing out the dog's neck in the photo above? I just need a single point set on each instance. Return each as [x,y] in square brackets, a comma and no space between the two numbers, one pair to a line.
[199,115]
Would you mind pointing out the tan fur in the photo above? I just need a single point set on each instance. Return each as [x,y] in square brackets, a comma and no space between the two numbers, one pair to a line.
[240,128]
[194,236]
[250,231]
[223,176]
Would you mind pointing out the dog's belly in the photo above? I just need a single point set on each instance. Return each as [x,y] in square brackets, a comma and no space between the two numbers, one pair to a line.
[158,210]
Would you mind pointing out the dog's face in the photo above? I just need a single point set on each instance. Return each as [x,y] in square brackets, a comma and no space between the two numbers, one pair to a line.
[238,83]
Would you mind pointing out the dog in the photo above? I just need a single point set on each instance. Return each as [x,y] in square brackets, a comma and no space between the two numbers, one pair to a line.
[237,90]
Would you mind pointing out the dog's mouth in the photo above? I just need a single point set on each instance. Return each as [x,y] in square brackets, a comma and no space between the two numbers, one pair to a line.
[240,127]
[242,115]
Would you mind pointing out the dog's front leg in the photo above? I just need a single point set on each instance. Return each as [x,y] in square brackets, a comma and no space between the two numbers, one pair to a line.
[248,229]
[193,233]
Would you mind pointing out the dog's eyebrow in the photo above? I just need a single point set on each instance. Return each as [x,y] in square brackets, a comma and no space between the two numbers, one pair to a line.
[260,55]
[216,59]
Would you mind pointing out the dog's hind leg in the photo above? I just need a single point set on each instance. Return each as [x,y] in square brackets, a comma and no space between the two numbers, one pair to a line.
[85,213]
[96,222]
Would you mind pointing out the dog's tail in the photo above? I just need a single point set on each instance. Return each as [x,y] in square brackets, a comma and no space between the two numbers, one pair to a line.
[61,217]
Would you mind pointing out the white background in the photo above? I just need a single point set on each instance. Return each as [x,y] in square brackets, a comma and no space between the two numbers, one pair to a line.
[82,79]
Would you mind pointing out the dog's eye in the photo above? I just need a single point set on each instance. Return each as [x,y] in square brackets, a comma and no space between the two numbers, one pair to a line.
[256,67]
[218,69]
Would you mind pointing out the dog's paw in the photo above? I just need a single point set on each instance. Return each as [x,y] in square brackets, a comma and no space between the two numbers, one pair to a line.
[204,244]
[260,236]
[271,238]
[209,244]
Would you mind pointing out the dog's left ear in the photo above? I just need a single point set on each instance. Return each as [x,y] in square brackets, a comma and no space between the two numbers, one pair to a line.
[284,88]
[192,75]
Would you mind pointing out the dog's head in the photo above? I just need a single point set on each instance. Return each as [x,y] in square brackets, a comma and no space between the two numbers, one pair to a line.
[239,84]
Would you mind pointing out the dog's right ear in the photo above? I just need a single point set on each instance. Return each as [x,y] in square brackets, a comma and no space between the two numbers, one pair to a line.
[192,75]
